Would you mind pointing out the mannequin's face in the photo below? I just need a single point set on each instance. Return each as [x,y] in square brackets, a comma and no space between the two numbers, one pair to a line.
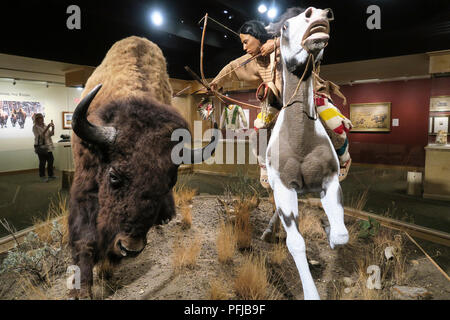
[250,44]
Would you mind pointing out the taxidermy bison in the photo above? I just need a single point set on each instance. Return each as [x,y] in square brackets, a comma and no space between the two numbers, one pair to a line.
[122,147]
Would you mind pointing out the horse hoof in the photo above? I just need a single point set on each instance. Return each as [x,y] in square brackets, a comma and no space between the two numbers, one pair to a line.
[337,238]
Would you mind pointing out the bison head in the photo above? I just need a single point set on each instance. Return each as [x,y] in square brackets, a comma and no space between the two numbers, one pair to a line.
[129,160]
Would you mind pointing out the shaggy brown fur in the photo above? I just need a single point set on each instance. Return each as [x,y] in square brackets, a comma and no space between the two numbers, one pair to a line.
[119,192]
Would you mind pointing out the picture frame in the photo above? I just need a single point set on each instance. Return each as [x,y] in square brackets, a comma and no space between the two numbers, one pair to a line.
[440,124]
[371,117]
[67,119]
[440,103]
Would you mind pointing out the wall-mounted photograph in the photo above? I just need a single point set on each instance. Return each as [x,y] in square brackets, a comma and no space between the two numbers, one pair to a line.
[16,118]
[371,117]
[67,119]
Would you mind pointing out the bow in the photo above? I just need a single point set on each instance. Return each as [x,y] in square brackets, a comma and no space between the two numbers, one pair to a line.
[203,81]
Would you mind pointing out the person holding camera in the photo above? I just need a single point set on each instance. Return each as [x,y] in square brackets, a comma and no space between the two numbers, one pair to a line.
[43,146]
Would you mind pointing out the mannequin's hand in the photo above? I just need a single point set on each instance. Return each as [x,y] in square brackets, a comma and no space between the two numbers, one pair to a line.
[268,47]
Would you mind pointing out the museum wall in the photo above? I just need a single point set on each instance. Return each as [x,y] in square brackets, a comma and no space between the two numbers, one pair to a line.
[404,144]
[16,144]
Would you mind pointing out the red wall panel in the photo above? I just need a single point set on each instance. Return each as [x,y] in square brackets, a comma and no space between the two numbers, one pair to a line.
[403,145]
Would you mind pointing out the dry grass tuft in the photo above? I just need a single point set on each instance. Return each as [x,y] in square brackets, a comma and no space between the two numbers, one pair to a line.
[309,225]
[359,202]
[226,242]
[278,254]
[182,194]
[185,254]
[243,228]
[218,290]
[34,290]
[251,282]
[186,217]
[58,209]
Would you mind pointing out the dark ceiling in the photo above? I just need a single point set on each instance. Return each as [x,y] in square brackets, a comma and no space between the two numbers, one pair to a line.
[36,28]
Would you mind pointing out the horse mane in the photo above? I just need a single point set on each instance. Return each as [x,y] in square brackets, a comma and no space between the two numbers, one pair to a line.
[274,28]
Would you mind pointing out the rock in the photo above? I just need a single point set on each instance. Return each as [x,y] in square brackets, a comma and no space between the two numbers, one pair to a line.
[410,293]
[415,262]
[314,262]
[347,290]
[347,281]
[141,291]
[389,253]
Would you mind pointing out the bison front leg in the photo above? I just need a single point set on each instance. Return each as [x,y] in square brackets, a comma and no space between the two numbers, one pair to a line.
[82,241]
[167,210]
[84,259]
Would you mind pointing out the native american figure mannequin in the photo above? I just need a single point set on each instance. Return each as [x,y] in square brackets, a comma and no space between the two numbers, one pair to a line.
[231,116]
[300,155]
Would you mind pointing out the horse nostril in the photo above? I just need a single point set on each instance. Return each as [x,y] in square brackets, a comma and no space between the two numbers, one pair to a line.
[308,12]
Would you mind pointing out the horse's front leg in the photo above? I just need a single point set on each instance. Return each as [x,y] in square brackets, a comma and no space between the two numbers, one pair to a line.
[287,208]
[331,199]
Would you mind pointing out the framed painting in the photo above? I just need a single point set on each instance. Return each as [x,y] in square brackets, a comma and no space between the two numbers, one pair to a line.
[67,119]
[440,103]
[371,117]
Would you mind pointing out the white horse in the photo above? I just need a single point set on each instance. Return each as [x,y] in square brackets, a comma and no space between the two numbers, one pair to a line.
[300,157]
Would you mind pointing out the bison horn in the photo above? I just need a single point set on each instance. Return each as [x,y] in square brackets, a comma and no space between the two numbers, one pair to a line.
[87,131]
[198,155]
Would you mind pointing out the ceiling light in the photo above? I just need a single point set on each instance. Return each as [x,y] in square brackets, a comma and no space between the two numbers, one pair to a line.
[230,17]
[262,8]
[272,13]
[157,18]
[225,11]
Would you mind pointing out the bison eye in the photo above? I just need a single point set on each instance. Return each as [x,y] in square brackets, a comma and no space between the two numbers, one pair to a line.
[114,178]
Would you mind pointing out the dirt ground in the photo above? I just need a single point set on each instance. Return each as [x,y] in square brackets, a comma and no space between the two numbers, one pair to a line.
[151,275]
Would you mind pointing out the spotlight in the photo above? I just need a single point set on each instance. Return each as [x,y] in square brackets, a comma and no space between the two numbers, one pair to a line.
[157,18]
[262,8]
[225,11]
[272,13]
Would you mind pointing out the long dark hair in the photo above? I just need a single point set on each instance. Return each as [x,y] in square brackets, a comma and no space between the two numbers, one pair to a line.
[256,29]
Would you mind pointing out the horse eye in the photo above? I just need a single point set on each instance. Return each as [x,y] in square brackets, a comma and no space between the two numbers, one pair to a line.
[284,27]
[330,14]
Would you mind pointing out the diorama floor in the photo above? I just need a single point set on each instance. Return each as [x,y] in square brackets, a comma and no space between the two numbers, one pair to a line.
[338,274]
